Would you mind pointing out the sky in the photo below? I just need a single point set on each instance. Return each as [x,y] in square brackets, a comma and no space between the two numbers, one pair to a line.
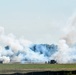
[40,21]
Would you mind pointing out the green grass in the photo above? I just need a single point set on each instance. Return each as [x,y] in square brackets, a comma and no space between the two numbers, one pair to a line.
[10,68]
[36,66]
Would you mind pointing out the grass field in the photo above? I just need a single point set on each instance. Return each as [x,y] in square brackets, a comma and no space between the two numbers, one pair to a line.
[10,68]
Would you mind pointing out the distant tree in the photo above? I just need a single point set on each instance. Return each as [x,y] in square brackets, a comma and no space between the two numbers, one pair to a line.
[52,62]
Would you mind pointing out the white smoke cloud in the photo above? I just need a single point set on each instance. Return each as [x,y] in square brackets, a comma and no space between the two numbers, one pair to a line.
[70,30]
[18,50]
[23,51]
[67,48]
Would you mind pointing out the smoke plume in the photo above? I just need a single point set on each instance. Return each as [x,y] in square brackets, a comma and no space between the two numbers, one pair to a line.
[67,44]
[24,51]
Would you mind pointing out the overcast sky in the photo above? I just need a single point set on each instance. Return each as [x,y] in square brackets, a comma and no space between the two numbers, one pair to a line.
[39,21]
